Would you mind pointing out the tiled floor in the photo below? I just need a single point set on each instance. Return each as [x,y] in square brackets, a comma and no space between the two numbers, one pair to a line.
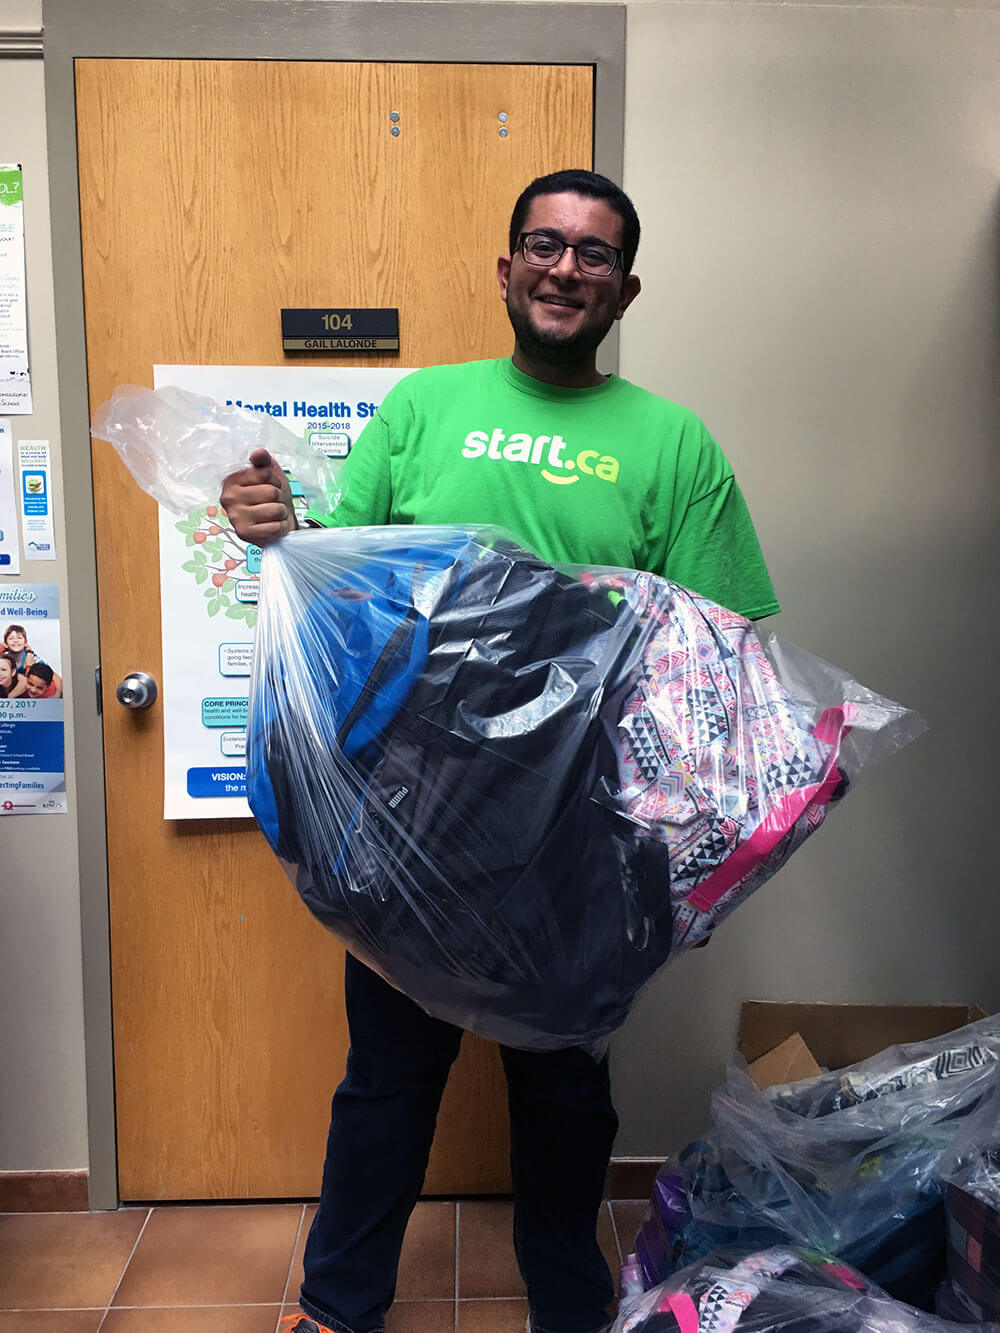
[177,1269]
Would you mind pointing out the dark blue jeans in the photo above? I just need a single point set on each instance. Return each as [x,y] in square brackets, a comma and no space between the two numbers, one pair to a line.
[562,1129]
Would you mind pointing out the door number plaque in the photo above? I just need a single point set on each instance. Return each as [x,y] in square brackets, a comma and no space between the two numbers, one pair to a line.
[340,330]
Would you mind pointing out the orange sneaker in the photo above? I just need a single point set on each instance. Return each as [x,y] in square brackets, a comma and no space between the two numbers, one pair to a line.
[301,1323]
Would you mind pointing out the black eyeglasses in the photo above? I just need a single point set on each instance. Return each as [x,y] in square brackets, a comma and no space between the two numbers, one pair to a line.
[545,251]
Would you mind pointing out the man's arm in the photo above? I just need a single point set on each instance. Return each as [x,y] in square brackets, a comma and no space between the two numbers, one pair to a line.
[715,552]
[258,500]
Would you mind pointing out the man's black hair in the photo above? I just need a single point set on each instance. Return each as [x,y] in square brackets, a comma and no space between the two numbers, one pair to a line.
[591,185]
[42,670]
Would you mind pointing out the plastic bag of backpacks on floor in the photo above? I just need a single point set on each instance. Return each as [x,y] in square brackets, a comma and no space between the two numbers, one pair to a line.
[848,1163]
[971,1179]
[516,790]
[776,1290]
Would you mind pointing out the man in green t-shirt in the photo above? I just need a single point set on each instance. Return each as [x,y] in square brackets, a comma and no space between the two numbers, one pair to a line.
[580,467]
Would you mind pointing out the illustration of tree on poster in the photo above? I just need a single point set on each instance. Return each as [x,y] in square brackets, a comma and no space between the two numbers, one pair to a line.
[209,580]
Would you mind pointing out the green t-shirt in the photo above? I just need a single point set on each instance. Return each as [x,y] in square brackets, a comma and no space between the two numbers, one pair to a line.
[612,475]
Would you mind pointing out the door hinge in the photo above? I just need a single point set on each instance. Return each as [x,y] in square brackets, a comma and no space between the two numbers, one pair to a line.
[97,686]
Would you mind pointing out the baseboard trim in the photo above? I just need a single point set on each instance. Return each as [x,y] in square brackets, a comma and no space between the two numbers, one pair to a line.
[632,1177]
[43,1192]
[66,1191]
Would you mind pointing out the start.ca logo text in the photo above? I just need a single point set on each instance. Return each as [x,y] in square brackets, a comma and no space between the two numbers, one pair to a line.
[551,453]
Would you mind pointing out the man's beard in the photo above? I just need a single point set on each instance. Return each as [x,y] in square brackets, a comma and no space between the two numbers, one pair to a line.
[552,348]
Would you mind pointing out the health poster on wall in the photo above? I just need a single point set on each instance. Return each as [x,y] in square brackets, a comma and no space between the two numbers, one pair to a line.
[35,467]
[209,580]
[32,738]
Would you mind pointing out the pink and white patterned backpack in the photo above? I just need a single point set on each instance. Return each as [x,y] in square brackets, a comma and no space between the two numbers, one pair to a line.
[716,760]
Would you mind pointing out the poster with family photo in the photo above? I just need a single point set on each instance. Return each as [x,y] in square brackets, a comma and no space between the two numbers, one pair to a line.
[32,738]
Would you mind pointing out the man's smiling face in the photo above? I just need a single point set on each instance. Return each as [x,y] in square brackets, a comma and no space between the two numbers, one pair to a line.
[560,315]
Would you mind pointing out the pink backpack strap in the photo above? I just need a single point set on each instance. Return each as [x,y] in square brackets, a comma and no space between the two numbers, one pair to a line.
[683,1309]
[830,729]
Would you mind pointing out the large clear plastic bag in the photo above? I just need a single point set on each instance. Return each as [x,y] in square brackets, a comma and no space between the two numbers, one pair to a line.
[516,790]
[776,1290]
[973,1158]
[180,446]
[848,1163]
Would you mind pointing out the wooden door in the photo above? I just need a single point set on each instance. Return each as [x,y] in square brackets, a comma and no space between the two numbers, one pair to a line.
[213,193]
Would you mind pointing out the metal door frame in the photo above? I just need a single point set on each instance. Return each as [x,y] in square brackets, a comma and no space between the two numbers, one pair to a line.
[369,30]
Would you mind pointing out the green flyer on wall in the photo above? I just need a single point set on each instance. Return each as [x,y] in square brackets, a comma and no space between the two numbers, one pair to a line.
[15,380]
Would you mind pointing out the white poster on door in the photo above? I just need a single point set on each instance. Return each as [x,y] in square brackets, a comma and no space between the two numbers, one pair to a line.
[209,580]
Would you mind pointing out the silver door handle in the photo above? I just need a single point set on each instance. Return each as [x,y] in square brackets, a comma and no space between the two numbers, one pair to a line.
[136,691]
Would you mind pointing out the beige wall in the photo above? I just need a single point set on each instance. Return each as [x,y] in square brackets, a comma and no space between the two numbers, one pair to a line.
[18,15]
[818,185]
[43,1121]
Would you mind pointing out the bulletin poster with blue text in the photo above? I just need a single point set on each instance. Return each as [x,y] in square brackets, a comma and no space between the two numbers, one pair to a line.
[209,580]
[32,736]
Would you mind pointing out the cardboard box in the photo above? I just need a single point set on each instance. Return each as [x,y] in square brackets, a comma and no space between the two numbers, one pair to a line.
[784,1042]
[787,1063]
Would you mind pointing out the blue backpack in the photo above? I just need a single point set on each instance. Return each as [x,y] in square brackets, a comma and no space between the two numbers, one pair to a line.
[366,618]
